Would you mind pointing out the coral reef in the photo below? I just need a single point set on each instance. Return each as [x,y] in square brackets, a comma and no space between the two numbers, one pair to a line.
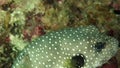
[22,21]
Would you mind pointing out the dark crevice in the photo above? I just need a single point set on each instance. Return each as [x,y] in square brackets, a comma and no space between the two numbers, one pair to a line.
[117,12]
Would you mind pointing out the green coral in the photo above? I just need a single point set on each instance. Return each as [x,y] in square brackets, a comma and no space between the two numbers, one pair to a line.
[18,43]
[56,16]
[26,5]
[17,17]
[2,20]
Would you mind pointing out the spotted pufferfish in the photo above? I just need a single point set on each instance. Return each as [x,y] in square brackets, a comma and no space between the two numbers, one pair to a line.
[81,47]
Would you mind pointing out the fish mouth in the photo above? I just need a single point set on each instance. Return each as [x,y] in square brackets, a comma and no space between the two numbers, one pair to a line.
[78,61]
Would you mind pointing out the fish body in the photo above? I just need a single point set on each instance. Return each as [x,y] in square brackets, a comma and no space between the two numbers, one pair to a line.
[84,47]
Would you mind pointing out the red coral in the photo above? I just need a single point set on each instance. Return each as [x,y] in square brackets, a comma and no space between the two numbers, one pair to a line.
[7,39]
[116,6]
[35,32]
[26,35]
[38,31]
[3,2]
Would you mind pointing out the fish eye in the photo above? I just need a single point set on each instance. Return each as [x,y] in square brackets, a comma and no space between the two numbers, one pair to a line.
[78,61]
[99,46]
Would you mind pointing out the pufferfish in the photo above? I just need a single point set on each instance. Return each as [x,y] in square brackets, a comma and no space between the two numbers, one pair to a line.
[80,47]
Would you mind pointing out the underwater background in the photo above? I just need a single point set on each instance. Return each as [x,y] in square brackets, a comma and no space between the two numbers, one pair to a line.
[23,21]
